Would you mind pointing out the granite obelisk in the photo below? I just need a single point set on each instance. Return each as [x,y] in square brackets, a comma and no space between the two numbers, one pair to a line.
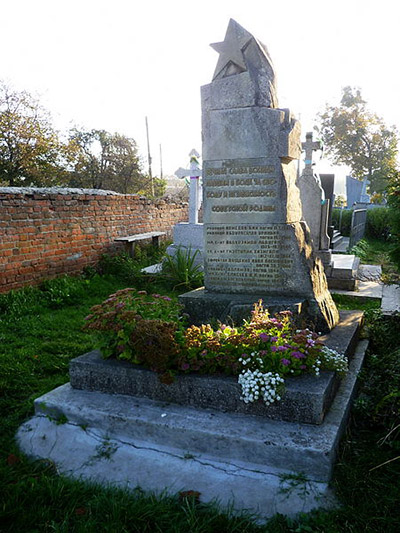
[256,245]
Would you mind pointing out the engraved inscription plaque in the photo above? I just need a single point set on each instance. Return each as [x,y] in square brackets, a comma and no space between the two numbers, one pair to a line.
[242,188]
[248,257]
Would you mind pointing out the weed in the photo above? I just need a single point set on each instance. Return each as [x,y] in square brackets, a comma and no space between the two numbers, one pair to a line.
[181,269]
[295,483]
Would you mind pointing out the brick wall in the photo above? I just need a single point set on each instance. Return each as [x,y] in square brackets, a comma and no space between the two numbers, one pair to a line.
[49,232]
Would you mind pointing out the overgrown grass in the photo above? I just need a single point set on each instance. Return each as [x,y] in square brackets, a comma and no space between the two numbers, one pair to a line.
[40,331]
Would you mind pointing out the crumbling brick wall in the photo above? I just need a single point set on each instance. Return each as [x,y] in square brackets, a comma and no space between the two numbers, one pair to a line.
[49,232]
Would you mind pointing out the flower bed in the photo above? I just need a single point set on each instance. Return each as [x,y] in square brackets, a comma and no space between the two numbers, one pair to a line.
[148,330]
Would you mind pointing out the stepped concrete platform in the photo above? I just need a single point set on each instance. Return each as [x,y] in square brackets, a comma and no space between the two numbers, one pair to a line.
[369,284]
[252,462]
[343,272]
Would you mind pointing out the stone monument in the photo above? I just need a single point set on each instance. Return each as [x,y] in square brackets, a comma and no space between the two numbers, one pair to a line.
[255,243]
[315,205]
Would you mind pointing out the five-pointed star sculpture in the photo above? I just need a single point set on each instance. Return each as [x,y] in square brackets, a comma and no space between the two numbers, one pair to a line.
[230,50]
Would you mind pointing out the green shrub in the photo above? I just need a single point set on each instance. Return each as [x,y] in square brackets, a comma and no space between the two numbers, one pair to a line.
[378,224]
[361,250]
[121,266]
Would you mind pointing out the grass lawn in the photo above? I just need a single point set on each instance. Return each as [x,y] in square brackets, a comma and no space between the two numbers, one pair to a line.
[40,331]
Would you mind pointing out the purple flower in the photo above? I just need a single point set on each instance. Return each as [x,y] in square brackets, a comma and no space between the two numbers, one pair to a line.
[274,339]
[264,337]
[298,355]
[185,366]
[166,298]
[285,362]
[303,367]
[155,295]
[274,348]
[281,348]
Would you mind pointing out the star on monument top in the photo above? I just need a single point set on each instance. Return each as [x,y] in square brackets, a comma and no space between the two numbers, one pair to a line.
[230,50]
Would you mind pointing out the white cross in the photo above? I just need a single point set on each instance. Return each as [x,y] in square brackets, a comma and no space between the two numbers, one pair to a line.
[309,146]
[194,172]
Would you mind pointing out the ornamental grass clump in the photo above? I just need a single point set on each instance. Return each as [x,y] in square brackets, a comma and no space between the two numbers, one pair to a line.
[148,330]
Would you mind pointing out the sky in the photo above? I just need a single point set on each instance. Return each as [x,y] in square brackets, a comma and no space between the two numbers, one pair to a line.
[107,65]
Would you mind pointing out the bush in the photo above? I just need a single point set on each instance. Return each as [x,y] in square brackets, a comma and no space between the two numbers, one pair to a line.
[378,223]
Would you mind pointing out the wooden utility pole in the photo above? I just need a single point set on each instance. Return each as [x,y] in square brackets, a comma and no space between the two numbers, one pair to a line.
[161,171]
[149,159]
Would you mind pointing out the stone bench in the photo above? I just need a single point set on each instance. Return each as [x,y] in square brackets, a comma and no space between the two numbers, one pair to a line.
[131,240]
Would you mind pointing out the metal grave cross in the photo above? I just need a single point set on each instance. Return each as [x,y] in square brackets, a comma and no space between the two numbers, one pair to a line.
[309,146]
[194,172]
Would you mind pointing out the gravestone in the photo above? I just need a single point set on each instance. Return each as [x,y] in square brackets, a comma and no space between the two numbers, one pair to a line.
[353,191]
[255,244]
[364,196]
[314,204]
[189,235]
[328,185]
[358,223]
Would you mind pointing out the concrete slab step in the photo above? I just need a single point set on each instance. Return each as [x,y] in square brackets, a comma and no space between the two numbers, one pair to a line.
[89,454]
[342,246]
[343,273]
[345,266]
[306,398]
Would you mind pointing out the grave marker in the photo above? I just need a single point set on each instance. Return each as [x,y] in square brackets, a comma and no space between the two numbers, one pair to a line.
[189,235]
[194,173]
[255,244]
[315,206]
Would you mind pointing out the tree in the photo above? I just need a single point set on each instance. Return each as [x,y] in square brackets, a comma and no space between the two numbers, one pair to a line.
[340,201]
[108,161]
[358,138]
[31,152]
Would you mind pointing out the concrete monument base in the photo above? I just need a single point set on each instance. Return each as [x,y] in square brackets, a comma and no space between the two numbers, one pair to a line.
[204,306]
[343,272]
[188,236]
[255,463]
